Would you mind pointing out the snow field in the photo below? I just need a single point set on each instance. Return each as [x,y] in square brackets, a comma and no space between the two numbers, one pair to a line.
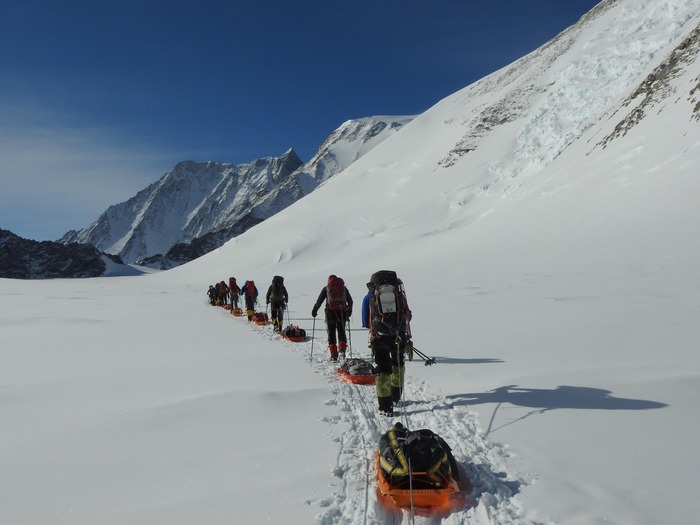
[357,427]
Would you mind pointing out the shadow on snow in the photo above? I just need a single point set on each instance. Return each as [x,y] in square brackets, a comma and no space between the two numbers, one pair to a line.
[474,361]
[543,400]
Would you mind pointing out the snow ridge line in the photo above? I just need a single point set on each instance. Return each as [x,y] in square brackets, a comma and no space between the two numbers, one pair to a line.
[353,501]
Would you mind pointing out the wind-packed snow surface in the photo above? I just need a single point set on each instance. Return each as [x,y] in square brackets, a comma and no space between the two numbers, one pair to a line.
[545,223]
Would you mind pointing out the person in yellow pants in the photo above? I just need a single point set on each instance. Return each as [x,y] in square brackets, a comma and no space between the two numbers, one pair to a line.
[389,353]
[385,312]
[250,296]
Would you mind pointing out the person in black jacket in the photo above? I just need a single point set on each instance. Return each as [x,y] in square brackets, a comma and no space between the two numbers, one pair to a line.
[338,311]
[235,290]
[386,313]
[277,297]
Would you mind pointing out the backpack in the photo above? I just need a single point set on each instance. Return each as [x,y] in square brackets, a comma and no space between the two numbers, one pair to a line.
[388,305]
[277,289]
[335,294]
[250,288]
[420,454]
[232,285]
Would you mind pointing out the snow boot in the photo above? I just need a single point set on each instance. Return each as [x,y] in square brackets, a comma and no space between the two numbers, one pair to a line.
[333,349]
[342,346]
[386,406]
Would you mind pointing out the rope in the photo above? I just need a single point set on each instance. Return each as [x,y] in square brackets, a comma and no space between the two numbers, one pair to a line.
[410,488]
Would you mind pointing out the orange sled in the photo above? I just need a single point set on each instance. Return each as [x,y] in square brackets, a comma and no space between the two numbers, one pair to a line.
[432,500]
[357,379]
[294,333]
[358,371]
[238,312]
[227,307]
[260,318]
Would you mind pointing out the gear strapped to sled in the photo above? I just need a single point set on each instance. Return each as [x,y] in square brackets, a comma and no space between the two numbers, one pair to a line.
[416,468]
[428,453]
[260,318]
[357,371]
[294,333]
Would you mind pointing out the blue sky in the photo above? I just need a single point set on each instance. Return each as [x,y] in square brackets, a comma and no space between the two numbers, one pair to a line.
[99,99]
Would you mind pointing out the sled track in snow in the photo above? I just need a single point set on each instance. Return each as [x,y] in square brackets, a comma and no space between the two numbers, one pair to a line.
[357,427]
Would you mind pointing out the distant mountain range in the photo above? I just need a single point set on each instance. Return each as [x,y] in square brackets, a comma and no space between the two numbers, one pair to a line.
[26,259]
[198,206]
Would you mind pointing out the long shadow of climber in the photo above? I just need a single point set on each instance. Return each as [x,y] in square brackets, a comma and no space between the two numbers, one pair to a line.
[542,400]
[473,361]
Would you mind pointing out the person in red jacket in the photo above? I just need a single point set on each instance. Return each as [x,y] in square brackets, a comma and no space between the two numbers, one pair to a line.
[250,296]
[338,311]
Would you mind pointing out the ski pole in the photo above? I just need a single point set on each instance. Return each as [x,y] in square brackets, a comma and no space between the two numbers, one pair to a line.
[428,360]
[313,333]
[349,337]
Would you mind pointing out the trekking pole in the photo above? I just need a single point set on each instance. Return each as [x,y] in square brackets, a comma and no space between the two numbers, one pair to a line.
[349,337]
[313,333]
[400,370]
[428,360]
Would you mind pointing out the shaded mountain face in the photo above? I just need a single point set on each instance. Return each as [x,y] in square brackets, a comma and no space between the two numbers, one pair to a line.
[26,259]
[188,201]
[197,207]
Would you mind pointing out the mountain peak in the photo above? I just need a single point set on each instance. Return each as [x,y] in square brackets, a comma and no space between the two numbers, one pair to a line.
[210,202]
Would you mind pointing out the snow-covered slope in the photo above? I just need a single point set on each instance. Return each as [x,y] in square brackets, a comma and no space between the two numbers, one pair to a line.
[544,221]
[345,145]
